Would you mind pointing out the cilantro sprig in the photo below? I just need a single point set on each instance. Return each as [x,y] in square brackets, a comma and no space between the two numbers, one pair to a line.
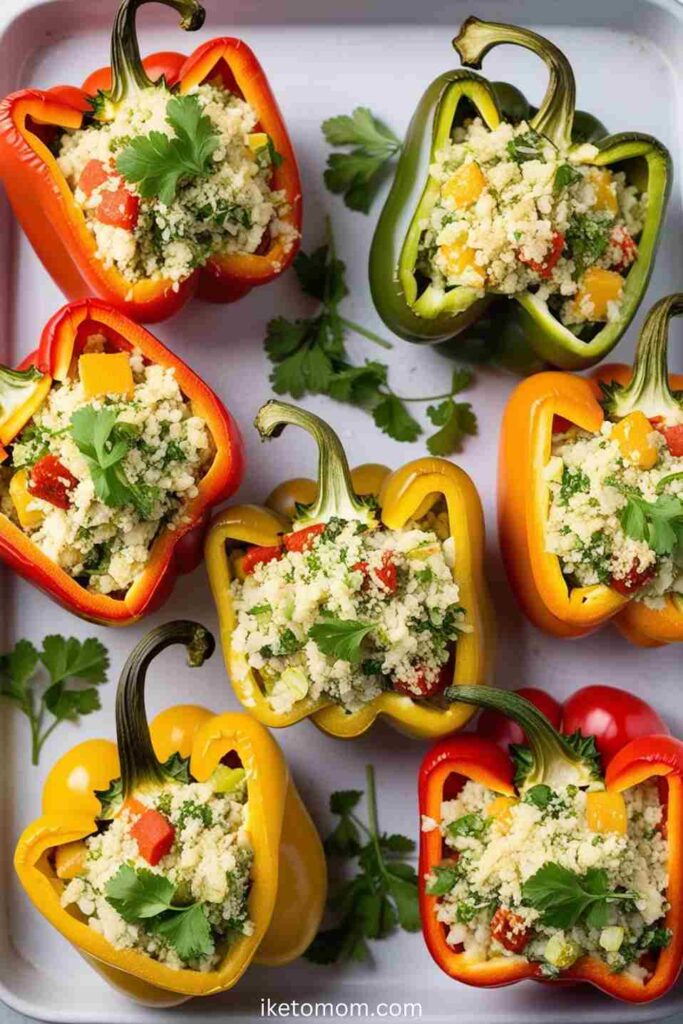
[383,893]
[309,357]
[63,660]
[341,638]
[358,174]
[564,898]
[146,898]
[158,164]
[659,523]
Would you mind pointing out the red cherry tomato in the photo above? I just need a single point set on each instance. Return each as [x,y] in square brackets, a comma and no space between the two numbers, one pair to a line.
[634,579]
[51,481]
[259,556]
[300,540]
[613,716]
[545,268]
[504,731]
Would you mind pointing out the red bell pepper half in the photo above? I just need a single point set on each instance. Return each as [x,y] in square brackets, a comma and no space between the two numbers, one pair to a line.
[174,551]
[44,203]
[451,762]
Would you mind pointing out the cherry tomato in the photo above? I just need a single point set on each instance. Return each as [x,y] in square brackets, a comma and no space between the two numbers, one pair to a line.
[504,731]
[545,268]
[509,929]
[386,574]
[300,540]
[613,716]
[51,481]
[259,556]
[634,579]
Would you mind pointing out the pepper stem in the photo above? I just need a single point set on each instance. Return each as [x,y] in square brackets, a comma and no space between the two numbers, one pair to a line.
[127,70]
[139,764]
[555,116]
[553,760]
[336,498]
[649,389]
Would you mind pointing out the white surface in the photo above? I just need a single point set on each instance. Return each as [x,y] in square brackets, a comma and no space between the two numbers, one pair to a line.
[625,57]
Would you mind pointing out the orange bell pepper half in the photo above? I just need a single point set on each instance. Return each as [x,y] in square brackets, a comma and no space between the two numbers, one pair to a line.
[541,404]
[174,551]
[452,762]
[43,200]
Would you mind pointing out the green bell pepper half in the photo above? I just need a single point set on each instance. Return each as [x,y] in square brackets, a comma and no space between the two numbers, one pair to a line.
[430,315]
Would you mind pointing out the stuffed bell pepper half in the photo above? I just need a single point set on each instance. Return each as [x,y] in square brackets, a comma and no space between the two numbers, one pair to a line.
[536,210]
[542,862]
[112,453]
[361,595]
[158,179]
[590,495]
[178,855]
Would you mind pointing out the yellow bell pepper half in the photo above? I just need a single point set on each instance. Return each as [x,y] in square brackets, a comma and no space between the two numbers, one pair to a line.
[407,494]
[289,884]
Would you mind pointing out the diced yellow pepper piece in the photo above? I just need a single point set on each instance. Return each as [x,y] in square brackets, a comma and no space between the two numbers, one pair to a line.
[29,518]
[501,810]
[460,259]
[256,141]
[606,812]
[634,435]
[464,186]
[70,859]
[597,288]
[605,195]
[106,373]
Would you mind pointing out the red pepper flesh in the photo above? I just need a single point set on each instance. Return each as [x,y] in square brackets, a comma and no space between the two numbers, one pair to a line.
[301,540]
[259,556]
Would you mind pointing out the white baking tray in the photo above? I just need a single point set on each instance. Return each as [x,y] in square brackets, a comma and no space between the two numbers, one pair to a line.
[323,59]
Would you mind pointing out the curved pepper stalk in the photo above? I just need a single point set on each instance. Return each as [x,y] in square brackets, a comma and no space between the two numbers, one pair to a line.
[368,493]
[431,315]
[288,890]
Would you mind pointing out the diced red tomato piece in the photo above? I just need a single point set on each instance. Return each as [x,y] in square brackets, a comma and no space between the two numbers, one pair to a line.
[386,574]
[300,540]
[633,580]
[51,481]
[92,176]
[119,208]
[622,241]
[259,556]
[154,835]
[509,929]
[674,439]
[422,687]
[545,268]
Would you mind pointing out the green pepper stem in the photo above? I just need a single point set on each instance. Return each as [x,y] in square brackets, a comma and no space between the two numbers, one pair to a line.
[128,73]
[554,762]
[16,387]
[649,390]
[555,116]
[336,498]
[139,764]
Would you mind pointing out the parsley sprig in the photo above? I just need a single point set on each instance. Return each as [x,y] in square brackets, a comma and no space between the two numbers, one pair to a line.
[358,174]
[309,356]
[341,638]
[383,893]
[64,660]
[105,443]
[158,163]
[659,523]
[564,898]
[146,898]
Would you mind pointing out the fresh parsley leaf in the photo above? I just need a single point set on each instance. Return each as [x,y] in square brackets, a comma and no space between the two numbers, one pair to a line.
[540,796]
[528,146]
[187,929]
[64,660]
[659,523]
[565,177]
[104,443]
[468,825]
[341,638]
[563,898]
[457,420]
[392,418]
[586,239]
[358,175]
[445,877]
[383,893]
[158,164]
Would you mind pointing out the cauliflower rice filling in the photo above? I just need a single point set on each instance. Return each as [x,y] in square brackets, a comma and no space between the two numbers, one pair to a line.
[515,213]
[397,583]
[232,209]
[592,486]
[168,450]
[495,854]
[209,863]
